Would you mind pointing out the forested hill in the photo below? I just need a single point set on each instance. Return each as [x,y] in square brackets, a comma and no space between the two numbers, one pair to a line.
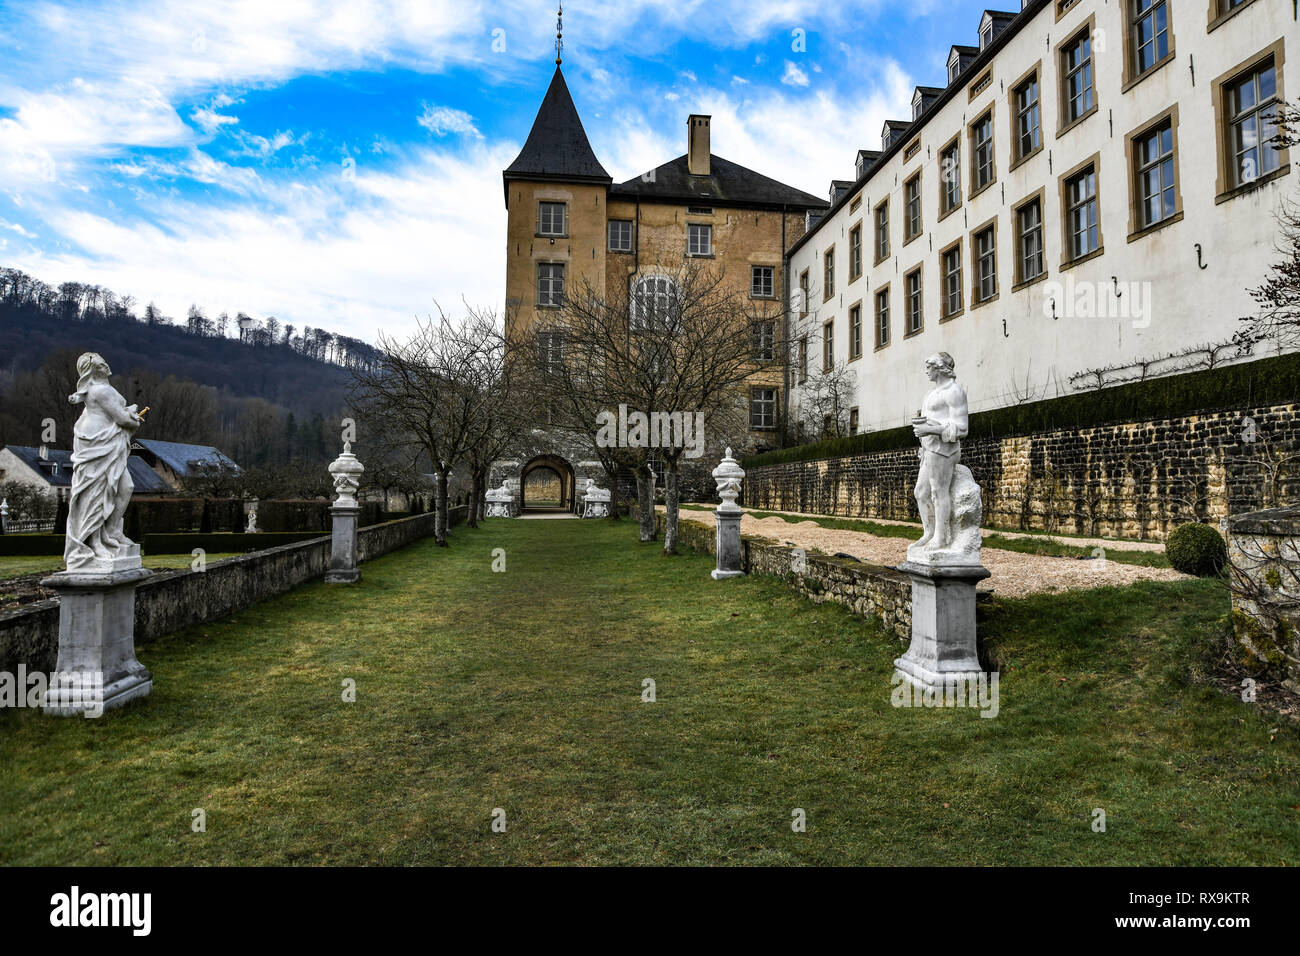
[256,387]
[274,372]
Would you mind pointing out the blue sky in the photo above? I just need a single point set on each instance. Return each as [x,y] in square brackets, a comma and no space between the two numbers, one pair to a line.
[339,164]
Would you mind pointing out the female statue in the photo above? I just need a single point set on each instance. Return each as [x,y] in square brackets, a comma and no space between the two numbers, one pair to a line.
[101,484]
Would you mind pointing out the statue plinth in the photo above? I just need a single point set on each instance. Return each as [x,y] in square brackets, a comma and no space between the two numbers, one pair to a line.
[728,475]
[97,669]
[943,644]
[343,545]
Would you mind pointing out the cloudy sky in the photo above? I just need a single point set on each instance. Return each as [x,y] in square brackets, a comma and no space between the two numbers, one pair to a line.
[338,164]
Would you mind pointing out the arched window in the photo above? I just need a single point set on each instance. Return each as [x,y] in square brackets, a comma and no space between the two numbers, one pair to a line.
[653,301]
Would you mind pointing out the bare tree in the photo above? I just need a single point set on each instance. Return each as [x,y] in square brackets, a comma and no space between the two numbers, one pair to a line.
[676,349]
[429,393]
[825,402]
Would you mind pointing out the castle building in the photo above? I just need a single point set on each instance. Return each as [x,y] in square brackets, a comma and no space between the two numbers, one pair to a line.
[1087,200]
[570,224]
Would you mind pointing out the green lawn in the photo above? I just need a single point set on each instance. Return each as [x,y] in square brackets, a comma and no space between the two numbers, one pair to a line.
[522,690]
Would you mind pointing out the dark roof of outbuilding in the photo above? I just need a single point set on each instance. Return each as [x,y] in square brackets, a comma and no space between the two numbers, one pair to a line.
[557,146]
[31,457]
[728,184]
[143,477]
[180,458]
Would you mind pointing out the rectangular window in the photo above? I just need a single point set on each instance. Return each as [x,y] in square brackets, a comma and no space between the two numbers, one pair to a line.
[828,273]
[882,231]
[853,420]
[762,282]
[855,332]
[764,341]
[828,346]
[1150,32]
[1252,110]
[762,409]
[986,265]
[1076,67]
[620,235]
[952,285]
[803,359]
[550,284]
[550,351]
[803,293]
[882,318]
[983,171]
[913,191]
[915,316]
[552,219]
[1028,126]
[1156,192]
[699,239]
[1029,236]
[1081,214]
[950,172]
[855,252]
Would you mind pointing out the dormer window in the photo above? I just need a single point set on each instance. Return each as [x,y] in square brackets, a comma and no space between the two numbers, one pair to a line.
[917,105]
[986,35]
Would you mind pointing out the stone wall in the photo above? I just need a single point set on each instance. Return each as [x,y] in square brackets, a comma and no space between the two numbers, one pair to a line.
[171,600]
[866,589]
[1264,569]
[1131,480]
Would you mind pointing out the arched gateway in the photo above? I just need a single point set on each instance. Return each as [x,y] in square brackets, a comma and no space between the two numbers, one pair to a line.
[547,483]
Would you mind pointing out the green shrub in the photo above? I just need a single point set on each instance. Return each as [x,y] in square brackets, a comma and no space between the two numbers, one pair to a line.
[1196,549]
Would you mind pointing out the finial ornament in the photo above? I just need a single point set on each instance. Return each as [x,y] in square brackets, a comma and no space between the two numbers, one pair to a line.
[559,35]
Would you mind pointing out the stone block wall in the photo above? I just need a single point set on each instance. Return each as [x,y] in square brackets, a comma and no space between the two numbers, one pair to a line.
[171,600]
[1131,480]
[1264,570]
[866,589]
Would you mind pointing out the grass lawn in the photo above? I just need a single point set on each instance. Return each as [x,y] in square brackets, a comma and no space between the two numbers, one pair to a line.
[523,690]
[1040,542]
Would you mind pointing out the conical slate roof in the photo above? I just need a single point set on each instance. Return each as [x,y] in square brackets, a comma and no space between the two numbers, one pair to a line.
[557,146]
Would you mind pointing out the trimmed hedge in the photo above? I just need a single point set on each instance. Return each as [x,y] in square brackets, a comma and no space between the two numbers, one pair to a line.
[221,543]
[42,545]
[30,545]
[1196,549]
[1267,381]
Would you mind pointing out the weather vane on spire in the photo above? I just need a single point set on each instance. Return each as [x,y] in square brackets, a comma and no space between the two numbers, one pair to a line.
[559,35]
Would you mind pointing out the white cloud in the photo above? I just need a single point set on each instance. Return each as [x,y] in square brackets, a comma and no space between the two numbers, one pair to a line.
[211,121]
[793,75]
[352,256]
[15,227]
[441,120]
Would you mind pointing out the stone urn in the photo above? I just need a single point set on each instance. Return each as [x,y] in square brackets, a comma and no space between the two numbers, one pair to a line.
[729,475]
[346,471]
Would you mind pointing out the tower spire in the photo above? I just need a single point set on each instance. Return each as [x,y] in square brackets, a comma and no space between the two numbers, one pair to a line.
[559,35]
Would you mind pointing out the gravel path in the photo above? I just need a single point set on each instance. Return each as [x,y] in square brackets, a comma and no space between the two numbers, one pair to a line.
[1013,574]
[1110,544]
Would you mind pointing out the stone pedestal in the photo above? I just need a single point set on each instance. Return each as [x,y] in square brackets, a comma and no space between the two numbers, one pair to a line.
[943,624]
[97,669]
[343,548]
[728,544]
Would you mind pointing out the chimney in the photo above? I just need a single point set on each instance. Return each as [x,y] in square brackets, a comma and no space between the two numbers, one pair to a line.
[697,145]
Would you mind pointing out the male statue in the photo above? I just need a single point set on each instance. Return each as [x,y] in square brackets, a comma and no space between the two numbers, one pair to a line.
[942,424]
[101,484]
